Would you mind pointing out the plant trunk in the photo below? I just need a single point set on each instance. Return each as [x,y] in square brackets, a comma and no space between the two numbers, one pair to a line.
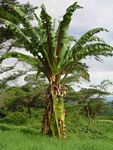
[29,111]
[88,115]
[54,115]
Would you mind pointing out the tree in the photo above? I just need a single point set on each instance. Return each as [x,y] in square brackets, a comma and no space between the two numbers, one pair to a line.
[7,40]
[54,55]
[11,72]
[5,33]
[92,102]
[30,95]
[110,108]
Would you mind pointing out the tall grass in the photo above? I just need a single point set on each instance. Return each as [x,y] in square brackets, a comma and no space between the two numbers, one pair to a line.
[16,140]
[20,135]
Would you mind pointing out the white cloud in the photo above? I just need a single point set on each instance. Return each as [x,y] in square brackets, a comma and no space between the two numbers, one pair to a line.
[94,13]
[98,76]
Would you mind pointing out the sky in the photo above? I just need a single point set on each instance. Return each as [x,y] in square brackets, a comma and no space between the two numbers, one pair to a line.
[95,13]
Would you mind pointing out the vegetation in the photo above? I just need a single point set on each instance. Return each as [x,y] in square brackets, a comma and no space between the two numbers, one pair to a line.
[5,33]
[25,135]
[55,55]
[21,130]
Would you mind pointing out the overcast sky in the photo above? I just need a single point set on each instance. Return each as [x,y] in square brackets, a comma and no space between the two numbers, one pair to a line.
[95,13]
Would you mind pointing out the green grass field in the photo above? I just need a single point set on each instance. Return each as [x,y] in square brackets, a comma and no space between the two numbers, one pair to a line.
[27,136]
[16,140]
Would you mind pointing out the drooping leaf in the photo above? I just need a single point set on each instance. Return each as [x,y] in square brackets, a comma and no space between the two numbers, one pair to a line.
[89,34]
[28,59]
[16,11]
[77,68]
[94,50]
[12,27]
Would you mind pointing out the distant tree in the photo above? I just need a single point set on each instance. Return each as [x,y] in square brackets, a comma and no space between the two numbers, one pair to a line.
[109,109]
[105,85]
[92,102]
[30,95]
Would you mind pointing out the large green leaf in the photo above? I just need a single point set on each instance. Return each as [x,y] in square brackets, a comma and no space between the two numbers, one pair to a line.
[86,38]
[22,38]
[89,34]
[28,59]
[15,11]
[12,27]
[5,14]
[47,25]
[94,50]
[45,39]
[79,67]
[62,33]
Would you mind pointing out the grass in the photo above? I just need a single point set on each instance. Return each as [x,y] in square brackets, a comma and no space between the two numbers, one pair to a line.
[17,140]
[26,135]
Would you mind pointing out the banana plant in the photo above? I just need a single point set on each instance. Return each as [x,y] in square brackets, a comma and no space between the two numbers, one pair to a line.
[55,53]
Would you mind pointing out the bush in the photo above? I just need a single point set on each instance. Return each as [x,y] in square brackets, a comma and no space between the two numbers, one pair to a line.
[16,118]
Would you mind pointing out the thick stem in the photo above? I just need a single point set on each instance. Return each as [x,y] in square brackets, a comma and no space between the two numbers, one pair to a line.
[47,111]
[54,115]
